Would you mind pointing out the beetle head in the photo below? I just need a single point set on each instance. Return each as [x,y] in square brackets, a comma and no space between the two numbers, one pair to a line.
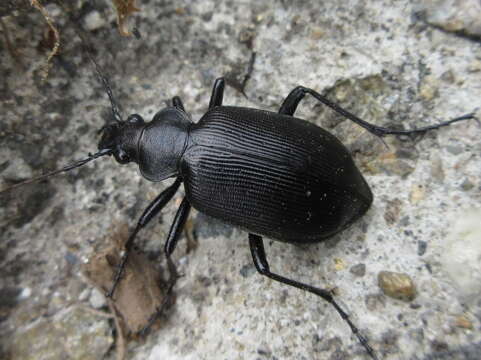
[122,138]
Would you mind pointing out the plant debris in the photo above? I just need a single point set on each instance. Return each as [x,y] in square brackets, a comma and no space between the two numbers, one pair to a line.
[124,8]
[140,295]
[56,35]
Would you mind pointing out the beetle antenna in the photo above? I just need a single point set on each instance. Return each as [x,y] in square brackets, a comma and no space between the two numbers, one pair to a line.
[382,140]
[108,89]
[87,46]
[65,168]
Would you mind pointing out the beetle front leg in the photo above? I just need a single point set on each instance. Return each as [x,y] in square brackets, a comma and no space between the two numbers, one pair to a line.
[260,261]
[217,93]
[151,210]
[174,234]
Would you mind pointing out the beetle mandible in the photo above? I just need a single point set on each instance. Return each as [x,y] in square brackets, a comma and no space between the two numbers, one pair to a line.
[271,174]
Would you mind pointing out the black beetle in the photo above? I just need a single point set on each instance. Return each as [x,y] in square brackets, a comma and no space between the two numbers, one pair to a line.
[269,173]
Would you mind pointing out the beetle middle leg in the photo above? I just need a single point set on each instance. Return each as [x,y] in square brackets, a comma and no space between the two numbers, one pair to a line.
[151,210]
[291,102]
[174,233]
[260,261]
[170,244]
[177,103]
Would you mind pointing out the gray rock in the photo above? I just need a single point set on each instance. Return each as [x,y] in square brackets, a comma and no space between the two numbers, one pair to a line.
[74,333]
[460,16]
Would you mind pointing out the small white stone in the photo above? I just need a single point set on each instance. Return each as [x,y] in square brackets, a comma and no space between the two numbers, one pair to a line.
[25,293]
[97,299]
[84,295]
[93,21]
[461,257]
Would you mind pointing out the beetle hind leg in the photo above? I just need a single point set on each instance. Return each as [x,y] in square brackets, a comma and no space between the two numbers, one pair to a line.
[260,261]
[291,102]
[217,93]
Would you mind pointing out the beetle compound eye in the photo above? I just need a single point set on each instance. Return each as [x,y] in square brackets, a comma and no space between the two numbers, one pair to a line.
[122,157]
[135,119]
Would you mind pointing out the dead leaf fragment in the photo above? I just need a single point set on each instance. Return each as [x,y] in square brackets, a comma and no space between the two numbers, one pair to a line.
[139,294]
[124,8]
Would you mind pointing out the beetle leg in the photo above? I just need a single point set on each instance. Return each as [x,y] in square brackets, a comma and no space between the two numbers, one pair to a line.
[152,210]
[217,93]
[291,102]
[262,266]
[172,239]
[174,234]
[177,103]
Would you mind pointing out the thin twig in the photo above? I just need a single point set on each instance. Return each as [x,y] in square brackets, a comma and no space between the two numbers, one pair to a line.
[56,46]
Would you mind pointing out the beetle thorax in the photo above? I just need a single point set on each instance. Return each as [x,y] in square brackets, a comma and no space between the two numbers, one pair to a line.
[162,144]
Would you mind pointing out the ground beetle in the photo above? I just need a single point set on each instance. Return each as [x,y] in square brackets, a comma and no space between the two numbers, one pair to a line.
[269,173]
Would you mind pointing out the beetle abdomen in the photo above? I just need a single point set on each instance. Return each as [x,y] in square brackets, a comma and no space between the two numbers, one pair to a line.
[273,175]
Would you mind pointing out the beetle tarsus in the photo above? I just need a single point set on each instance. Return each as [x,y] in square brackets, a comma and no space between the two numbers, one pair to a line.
[159,311]
[118,275]
[262,266]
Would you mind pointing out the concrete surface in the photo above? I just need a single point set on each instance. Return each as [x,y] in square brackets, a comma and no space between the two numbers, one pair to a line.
[383,60]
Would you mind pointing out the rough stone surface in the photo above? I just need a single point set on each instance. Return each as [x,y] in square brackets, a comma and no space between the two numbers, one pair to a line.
[379,59]
[73,333]
[459,16]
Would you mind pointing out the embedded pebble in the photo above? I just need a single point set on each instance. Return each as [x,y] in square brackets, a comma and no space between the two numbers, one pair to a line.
[358,270]
[393,211]
[397,285]
[93,21]
[422,246]
[85,294]
[467,184]
[375,302]
[463,322]
[429,88]
[417,194]
[339,264]
[437,171]
[97,299]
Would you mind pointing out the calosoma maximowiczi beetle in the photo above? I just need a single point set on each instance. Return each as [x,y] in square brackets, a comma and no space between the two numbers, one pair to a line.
[271,174]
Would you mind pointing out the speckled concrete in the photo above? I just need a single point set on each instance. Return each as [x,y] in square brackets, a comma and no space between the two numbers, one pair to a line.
[380,59]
